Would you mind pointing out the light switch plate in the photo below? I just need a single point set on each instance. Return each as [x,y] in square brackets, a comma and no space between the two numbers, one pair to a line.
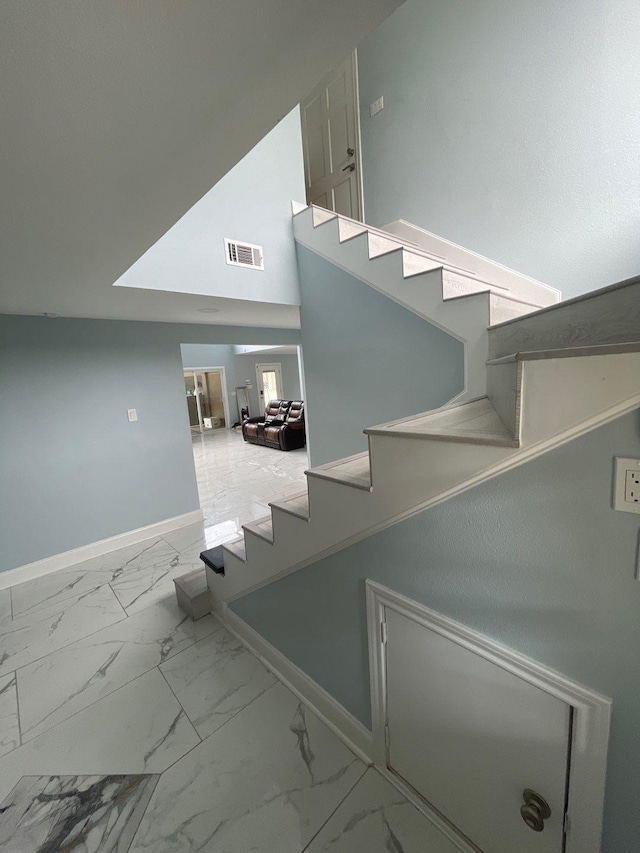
[376,106]
[626,485]
[132,415]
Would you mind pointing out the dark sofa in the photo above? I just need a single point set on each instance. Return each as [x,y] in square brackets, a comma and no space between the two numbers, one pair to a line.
[281,426]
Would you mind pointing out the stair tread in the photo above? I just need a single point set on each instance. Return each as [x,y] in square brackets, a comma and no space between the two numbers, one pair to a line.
[263,528]
[353,471]
[477,422]
[237,548]
[297,505]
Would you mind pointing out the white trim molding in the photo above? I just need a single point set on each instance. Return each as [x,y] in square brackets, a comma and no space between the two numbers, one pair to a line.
[334,715]
[59,562]
[591,717]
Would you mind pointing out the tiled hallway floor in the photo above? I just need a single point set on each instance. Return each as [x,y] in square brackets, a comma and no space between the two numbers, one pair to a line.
[100,673]
[236,480]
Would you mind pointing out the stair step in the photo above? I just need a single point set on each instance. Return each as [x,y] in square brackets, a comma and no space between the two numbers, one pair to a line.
[237,548]
[354,471]
[414,264]
[297,505]
[475,423]
[320,215]
[568,352]
[379,245]
[262,528]
[347,229]
[192,594]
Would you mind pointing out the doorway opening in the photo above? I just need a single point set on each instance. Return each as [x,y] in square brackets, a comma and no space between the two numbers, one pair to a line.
[207,403]
[226,386]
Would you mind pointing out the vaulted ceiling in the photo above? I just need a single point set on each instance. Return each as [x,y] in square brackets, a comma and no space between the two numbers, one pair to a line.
[116,116]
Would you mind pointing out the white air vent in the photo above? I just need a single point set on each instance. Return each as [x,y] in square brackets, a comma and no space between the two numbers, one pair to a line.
[243,254]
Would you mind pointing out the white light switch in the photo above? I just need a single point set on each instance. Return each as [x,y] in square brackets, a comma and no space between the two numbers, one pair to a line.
[626,485]
[132,415]
[376,106]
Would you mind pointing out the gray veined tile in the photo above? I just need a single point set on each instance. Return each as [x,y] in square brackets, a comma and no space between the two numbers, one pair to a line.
[264,782]
[61,684]
[377,818]
[44,631]
[139,728]
[60,586]
[9,725]
[138,590]
[215,679]
[80,813]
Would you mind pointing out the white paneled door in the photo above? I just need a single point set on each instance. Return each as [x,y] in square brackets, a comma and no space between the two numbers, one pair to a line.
[331,142]
[471,737]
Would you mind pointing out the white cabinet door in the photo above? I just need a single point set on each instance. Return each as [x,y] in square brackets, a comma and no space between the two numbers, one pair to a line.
[330,140]
[469,736]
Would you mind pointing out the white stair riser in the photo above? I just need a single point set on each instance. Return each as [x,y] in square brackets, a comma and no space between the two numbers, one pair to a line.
[411,472]
[503,389]
[256,547]
[559,394]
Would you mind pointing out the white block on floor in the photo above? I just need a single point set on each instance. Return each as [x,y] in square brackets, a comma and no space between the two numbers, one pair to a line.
[192,594]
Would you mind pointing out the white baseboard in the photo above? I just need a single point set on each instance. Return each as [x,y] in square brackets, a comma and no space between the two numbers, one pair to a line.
[57,562]
[334,715]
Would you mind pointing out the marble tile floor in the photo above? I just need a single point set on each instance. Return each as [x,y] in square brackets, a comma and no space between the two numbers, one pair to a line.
[102,675]
[237,480]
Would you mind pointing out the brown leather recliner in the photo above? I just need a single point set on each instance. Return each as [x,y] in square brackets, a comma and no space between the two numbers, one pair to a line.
[281,426]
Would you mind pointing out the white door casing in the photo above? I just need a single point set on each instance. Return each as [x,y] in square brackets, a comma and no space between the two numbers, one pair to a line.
[269,381]
[429,703]
[331,142]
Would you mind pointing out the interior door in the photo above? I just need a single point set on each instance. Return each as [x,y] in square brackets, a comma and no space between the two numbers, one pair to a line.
[331,141]
[470,736]
[269,378]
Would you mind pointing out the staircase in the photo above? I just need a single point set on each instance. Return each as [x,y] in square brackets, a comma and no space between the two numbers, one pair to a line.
[537,374]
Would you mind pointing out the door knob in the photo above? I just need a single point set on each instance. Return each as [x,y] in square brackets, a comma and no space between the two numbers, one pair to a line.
[349,168]
[535,810]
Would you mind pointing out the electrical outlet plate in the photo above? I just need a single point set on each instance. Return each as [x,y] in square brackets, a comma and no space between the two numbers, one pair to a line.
[626,485]
[132,415]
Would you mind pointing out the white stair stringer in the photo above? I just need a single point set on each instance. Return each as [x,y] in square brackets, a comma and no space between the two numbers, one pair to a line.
[449,297]
[420,461]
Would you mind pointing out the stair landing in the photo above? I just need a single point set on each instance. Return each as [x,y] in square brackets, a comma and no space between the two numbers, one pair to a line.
[476,422]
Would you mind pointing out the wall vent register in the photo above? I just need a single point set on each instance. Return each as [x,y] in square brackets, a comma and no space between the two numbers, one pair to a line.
[243,254]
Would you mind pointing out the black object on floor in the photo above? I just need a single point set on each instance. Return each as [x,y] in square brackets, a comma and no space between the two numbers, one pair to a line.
[214,559]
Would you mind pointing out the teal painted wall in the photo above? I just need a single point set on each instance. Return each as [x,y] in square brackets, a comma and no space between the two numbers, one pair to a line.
[513,128]
[535,559]
[73,469]
[252,203]
[367,359]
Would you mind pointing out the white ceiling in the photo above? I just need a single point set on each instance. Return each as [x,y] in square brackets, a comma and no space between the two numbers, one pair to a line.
[116,117]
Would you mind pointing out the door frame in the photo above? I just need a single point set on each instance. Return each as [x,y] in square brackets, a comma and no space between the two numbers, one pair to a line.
[591,716]
[225,395]
[353,57]
[269,365]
